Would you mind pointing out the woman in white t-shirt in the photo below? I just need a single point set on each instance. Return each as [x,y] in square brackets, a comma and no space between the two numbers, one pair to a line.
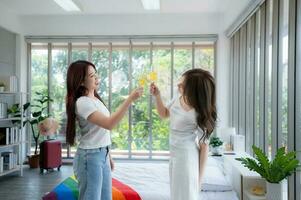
[92,162]
[192,120]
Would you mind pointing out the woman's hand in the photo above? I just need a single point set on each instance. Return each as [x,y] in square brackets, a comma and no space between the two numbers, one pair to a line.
[154,90]
[135,94]
[112,164]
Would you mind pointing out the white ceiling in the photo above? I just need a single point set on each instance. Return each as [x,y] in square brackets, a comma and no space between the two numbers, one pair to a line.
[99,7]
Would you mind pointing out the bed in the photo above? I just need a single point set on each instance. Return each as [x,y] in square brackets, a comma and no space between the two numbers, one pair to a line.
[150,180]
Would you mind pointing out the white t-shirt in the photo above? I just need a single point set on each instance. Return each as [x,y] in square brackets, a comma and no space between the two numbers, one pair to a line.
[184,129]
[92,135]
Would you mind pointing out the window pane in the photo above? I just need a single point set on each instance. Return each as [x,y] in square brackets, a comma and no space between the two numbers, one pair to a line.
[257,79]
[162,65]
[269,76]
[79,51]
[39,78]
[100,58]
[283,76]
[140,112]
[39,70]
[204,58]
[58,89]
[182,62]
[120,90]
[284,62]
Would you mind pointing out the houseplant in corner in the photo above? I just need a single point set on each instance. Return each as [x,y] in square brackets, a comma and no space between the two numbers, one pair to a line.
[274,171]
[38,114]
[215,145]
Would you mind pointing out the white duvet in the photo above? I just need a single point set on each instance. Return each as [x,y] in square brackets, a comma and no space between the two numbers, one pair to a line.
[151,180]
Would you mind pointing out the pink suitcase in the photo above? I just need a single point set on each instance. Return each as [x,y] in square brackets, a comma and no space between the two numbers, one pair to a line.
[50,155]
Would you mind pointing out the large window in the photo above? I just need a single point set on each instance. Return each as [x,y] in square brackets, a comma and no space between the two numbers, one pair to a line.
[276,82]
[120,66]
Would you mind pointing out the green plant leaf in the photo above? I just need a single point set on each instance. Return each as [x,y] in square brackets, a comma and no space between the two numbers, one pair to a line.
[252,165]
[26,106]
[34,121]
[215,141]
[282,166]
[291,166]
[37,114]
[262,159]
[36,106]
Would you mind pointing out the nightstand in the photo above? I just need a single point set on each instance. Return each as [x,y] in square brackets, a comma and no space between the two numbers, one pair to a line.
[241,178]
[249,196]
[218,158]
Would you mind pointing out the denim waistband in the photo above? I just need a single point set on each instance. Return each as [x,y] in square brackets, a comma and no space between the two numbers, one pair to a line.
[107,148]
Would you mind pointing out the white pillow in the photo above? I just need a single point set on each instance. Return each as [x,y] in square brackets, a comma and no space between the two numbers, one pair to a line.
[214,180]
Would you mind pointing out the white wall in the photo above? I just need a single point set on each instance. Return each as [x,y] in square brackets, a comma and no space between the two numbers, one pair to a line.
[121,24]
[9,20]
[7,52]
[21,62]
[222,81]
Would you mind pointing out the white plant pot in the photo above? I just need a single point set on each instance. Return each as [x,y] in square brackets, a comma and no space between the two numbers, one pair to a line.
[1,89]
[216,150]
[274,191]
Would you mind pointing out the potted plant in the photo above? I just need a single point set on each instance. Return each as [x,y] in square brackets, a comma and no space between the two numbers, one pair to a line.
[2,87]
[215,145]
[274,171]
[15,111]
[38,114]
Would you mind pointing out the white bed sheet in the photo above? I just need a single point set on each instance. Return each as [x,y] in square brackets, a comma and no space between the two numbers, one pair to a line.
[151,181]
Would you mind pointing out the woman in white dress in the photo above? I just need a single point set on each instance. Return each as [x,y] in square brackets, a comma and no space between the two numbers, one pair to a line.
[192,120]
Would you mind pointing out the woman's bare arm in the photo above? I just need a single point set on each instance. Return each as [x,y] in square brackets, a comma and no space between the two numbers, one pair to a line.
[203,156]
[110,122]
[162,110]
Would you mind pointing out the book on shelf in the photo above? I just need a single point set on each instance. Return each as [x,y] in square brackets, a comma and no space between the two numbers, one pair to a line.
[9,135]
[10,160]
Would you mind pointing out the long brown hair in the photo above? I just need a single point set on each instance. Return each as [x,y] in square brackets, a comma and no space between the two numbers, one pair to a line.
[76,75]
[199,92]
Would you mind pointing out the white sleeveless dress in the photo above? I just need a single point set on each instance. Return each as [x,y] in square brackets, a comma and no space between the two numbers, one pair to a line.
[184,153]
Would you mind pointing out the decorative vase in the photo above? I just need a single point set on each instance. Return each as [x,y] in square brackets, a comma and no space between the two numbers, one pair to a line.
[33,161]
[274,191]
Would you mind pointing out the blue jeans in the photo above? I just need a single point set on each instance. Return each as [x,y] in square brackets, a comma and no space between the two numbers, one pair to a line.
[93,172]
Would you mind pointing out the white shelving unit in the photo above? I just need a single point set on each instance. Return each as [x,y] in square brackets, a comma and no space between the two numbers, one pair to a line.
[242,178]
[17,147]
[250,196]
